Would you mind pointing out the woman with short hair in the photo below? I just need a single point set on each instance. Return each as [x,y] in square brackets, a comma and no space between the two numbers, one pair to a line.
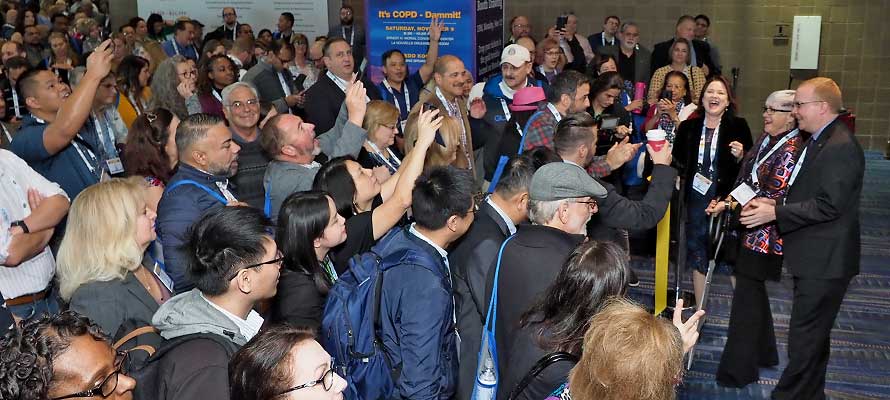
[381,122]
[681,60]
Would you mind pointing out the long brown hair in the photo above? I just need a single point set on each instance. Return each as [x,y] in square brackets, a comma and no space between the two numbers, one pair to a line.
[144,154]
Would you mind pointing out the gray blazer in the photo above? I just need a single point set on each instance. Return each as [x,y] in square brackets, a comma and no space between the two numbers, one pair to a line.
[264,77]
[110,303]
[642,62]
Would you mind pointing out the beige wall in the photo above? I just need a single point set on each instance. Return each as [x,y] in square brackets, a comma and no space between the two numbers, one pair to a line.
[854,51]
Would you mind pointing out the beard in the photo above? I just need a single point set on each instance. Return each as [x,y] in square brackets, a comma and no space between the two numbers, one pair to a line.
[346,20]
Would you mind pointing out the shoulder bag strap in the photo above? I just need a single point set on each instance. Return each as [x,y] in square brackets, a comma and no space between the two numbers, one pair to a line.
[209,191]
[539,367]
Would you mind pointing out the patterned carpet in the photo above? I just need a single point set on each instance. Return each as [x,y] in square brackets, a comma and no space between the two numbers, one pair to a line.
[859,367]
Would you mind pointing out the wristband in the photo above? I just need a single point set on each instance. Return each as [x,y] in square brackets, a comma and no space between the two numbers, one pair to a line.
[21,224]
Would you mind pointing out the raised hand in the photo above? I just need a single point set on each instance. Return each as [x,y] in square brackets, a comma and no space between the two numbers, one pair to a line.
[689,329]
[356,105]
[99,62]
[436,28]
[428,123]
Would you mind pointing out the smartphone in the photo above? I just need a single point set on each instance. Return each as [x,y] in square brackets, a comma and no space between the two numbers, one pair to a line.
[561,22]
[667,94]
[608,123]
[427,107]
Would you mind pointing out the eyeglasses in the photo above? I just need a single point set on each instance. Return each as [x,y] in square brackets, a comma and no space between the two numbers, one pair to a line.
[519,26]
[552,52]
[238,105]
[390,127]
[771,111]
[592,204]
[277,260]
[799,104]
[326,381]
[228,14]
[107,386]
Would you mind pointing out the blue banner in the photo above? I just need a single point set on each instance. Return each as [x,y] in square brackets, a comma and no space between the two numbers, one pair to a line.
[404,25]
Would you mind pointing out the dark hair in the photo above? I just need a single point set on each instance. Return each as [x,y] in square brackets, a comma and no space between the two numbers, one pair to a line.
[27,354]
[144,153]
[573,131]
[328,43]
[541,156]
[152,20]
[607,81]
[684,18]
[733,107]
[334,178]
[517,176]
[261,369]
[688,44]
[271,139]
[128,74]
[205,84]
[134,22]
[17,62]
[192,129]
[27,82]
[566,83]
[594,272]
[288,16]
[704,17]
[615,17]
[182,25]
[593,69]
[440,193]
[686,99]
[302,219]
[223,241]
[34,8]
[347,7]
[260,33]
[56,16]
[389,53]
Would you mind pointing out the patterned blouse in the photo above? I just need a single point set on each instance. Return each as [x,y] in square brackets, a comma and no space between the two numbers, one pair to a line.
[773,175]
[561,393]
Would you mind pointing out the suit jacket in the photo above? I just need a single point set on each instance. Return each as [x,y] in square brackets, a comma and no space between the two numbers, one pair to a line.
[358,42]
[110,303]
[265,78]
[596,42]
[428,95]
[819,217]
[642,61]
[324,98]
[470,261]
[686,146]
[661,56]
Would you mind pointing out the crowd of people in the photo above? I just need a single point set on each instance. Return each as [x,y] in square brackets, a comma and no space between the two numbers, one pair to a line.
[209,197]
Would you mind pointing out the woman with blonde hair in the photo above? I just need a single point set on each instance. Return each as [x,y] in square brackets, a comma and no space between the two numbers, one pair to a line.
[381,122]
[437,155]
[104,277]
[62,58]
[630,354]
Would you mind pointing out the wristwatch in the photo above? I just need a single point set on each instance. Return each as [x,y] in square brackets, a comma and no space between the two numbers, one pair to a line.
[21,224]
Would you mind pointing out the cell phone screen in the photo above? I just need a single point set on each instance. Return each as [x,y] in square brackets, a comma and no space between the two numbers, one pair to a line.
[561,22]
[609,123]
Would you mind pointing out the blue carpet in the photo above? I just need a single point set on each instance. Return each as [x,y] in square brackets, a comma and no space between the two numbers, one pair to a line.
[859,367]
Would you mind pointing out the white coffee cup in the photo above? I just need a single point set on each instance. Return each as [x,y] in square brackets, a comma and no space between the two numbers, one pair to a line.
[656,138]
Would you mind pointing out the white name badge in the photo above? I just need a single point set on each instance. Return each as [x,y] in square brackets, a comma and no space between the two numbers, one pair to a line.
[743,194]
[115,166]
[403,124]
[163,277]
[701,184]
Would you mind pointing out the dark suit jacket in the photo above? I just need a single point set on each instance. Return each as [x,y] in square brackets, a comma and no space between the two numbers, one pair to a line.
[358,43]
[619,212]
[596,42]
[661,56]
[470,261]
[110,303]
[324,98]
[642,62]
[819,217]
[686,145]
[264,77]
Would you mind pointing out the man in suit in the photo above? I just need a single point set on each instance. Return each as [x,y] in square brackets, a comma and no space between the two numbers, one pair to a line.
[606,38]
[819,222]
[474,254]
[229,29]
[353,34]
[632,59]
[701,51]
[285,27]
[325,97]
[273,81]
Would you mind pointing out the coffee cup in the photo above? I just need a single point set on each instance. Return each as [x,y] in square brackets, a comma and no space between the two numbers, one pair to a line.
[656,138]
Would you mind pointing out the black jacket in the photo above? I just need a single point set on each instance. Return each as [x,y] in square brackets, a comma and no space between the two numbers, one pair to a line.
[686,146]
[298,301]
[661,56]
[470,261]
[530,264]
[819,217]
[324,98]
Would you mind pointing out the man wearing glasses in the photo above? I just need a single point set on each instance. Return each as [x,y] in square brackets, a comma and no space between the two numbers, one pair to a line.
[62,356]
[273,80]
[818,220]
[230,28]
[234,262]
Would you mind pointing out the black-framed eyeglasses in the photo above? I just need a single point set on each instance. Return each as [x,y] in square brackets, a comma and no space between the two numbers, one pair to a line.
[277,260]
[107,386]
[798,104]
[237,105]
[326,381]
[590,203]
[771,111]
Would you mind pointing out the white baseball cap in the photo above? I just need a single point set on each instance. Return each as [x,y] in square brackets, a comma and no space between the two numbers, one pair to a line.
[516,55]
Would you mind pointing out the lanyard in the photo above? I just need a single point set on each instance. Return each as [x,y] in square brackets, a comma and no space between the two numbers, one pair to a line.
[137,105]
[701,145]
[603,37]
[454,111]
[392,162]
[506,109]
[15,103]
[77,142]
[798,166]
[6,132]
[351,35]
[176,47]
[758,162]
[554,111]
[106,147]
[328,267]
[342,84]
[405,92]
[216,95]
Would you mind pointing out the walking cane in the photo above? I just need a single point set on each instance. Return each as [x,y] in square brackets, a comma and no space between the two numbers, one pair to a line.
[717,226]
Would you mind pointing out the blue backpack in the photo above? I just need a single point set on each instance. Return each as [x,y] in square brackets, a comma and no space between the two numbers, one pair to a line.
[351,327]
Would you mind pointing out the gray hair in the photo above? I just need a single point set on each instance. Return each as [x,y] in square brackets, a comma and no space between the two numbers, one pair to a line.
[193,129]
[163,87]
[541,212]
[781,98]
[227,91]
[627,24]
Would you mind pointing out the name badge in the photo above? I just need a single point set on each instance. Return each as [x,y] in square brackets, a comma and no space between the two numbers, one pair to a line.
[743,194]
[701,184]
[402,125]
[115,166]
[163,277]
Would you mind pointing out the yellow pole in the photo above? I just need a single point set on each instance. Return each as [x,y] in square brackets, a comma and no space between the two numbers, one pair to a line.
[662,246]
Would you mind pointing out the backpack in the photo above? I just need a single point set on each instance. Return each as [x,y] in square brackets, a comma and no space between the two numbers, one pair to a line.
[351,326]
[145,350]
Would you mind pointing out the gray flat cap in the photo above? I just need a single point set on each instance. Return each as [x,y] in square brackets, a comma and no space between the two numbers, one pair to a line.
[559,180]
